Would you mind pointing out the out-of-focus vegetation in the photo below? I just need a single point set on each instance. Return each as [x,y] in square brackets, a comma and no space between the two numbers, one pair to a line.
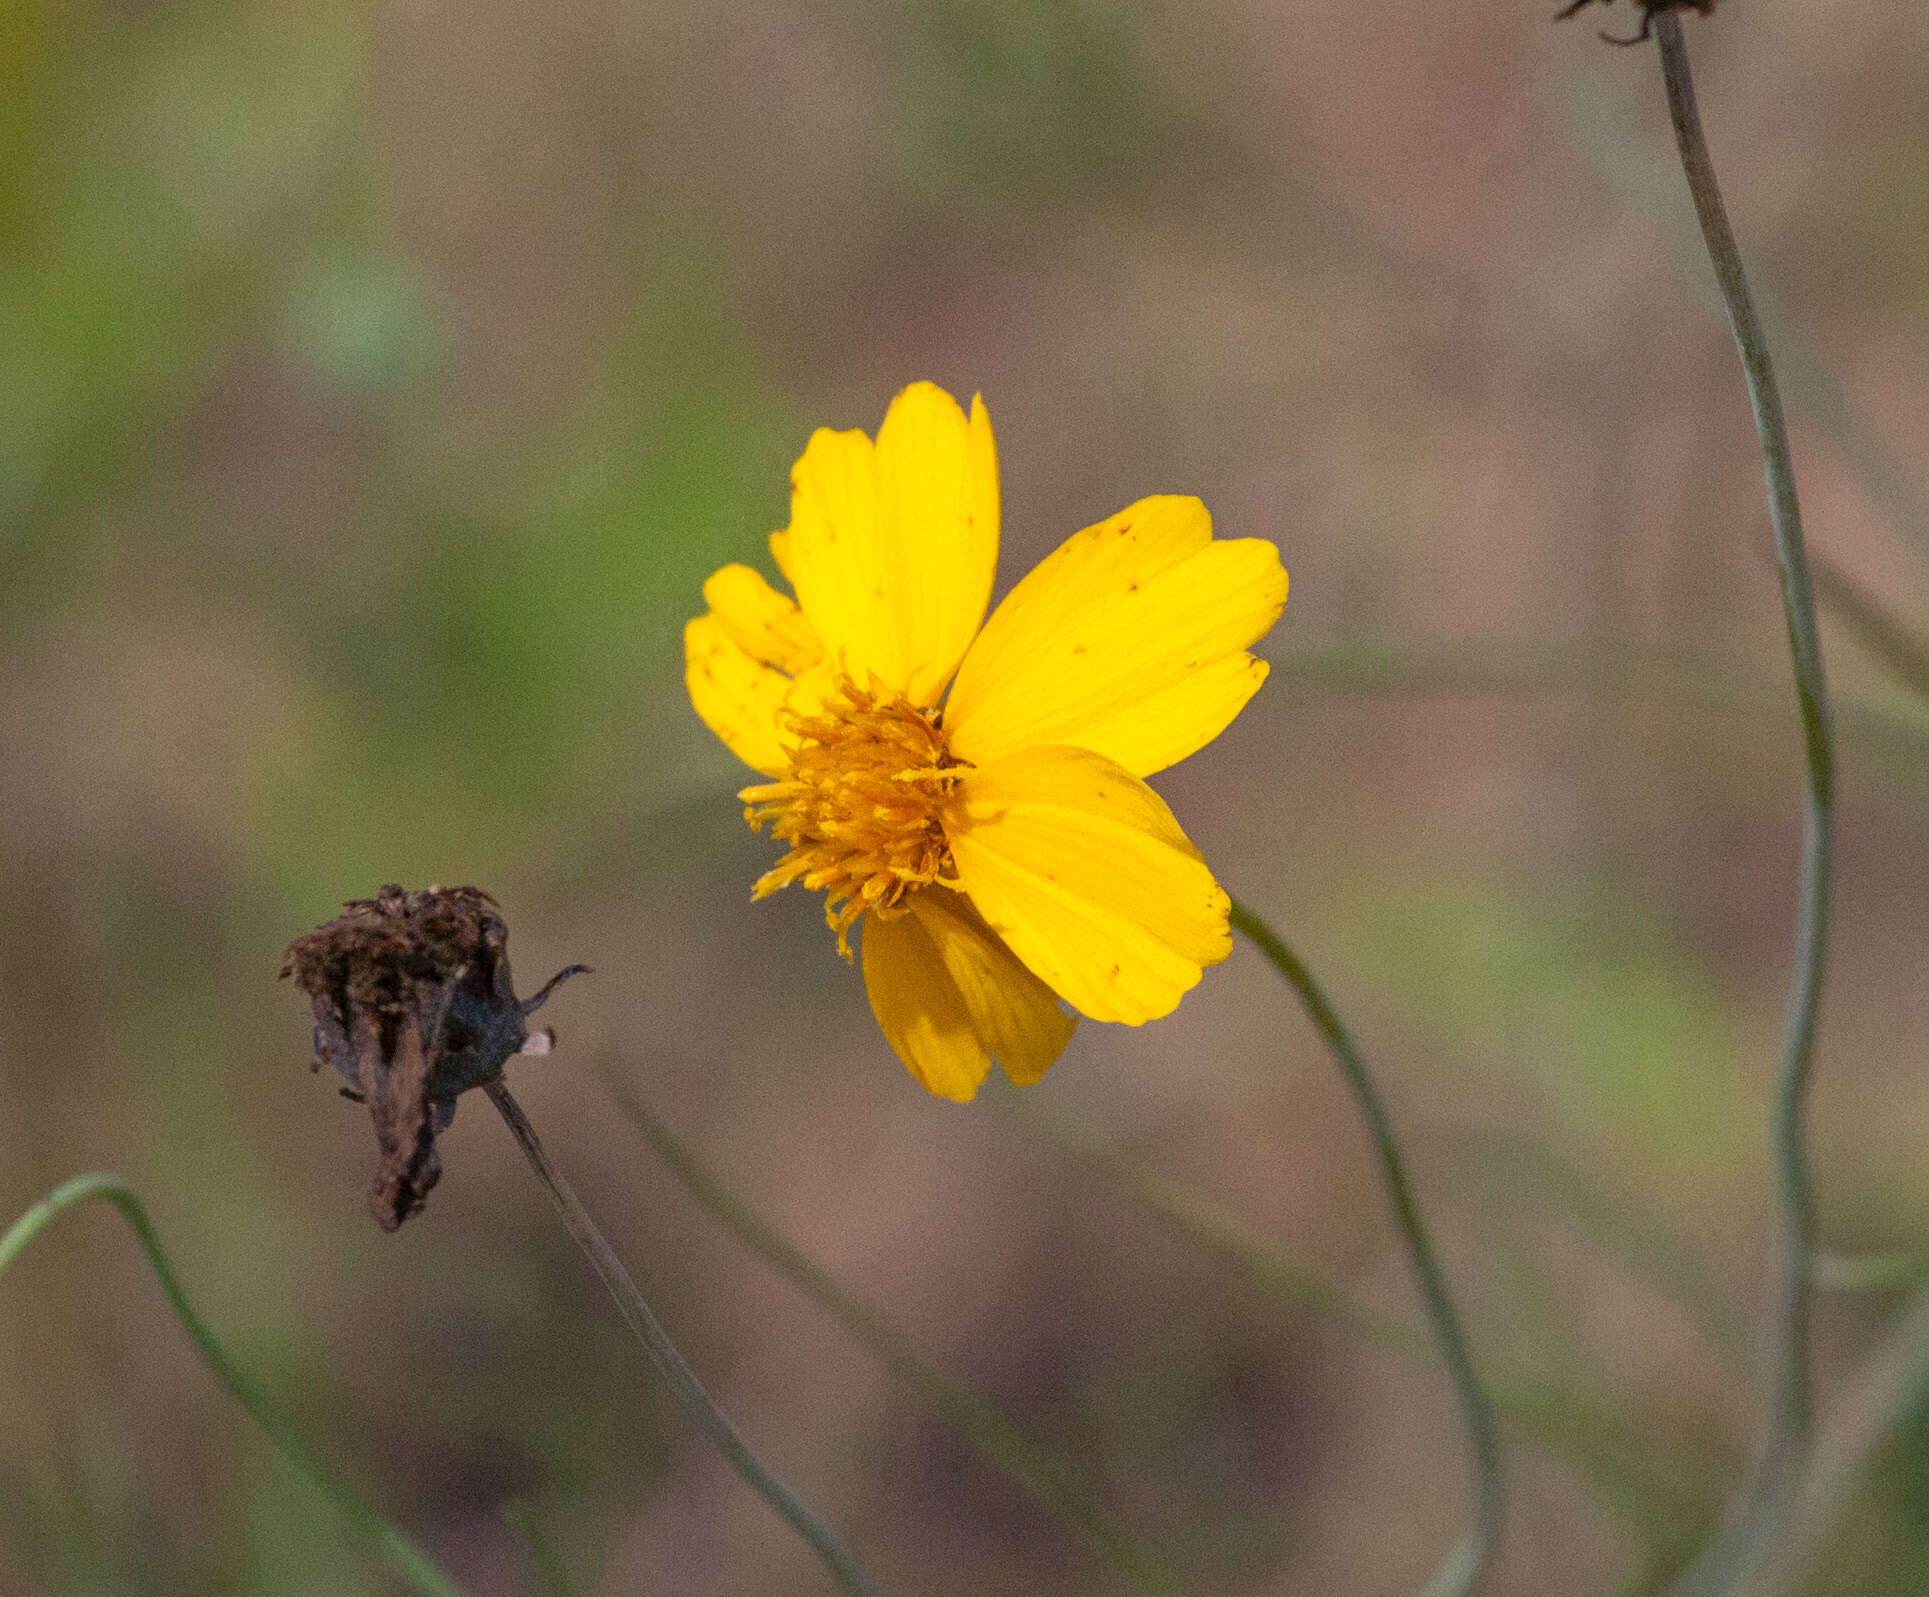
[377,386]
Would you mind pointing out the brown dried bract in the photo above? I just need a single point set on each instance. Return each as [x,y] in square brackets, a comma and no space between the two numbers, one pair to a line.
[413,1006]
[1648,10]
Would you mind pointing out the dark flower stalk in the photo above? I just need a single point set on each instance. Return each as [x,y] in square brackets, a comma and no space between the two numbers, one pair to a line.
[414,1006]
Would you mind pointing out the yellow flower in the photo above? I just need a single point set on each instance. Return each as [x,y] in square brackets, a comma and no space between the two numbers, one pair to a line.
[999,842]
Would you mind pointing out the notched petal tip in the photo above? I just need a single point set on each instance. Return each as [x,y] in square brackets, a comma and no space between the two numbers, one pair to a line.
[739,699]
[767,625]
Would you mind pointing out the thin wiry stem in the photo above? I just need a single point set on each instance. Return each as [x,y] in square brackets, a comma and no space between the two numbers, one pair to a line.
[1904,655]
[1215,1230]
[522,1520]
[1884,1392]
[1791,1423]
[1462,1568]
[993,1436]
[682,1381]
[395,1549]
[1658,1498]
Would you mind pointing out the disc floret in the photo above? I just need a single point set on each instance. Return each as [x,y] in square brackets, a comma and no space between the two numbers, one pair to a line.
[861,806]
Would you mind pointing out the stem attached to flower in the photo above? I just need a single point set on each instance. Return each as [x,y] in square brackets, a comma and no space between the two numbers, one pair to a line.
[396,1550]
[1462,1568]
[682,1381]
[1778,1465]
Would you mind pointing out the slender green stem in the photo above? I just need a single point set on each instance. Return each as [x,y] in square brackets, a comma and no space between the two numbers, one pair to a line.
[1659,1499]
[1791,1422]
[990,1433]
[1656,1501]
[1204,1224]
[1887,1388]
[1873,625]
[394,1548]
[522,1520]
[682,1381]
[1462,1568]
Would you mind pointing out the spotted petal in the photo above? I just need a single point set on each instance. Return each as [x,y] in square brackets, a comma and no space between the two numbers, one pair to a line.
[767,625]
[1129,640]
[739,699]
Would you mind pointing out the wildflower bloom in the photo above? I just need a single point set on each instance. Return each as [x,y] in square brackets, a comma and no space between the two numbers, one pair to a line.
[998,843]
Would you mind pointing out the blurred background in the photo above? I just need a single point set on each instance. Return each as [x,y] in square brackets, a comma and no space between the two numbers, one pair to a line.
[377,386]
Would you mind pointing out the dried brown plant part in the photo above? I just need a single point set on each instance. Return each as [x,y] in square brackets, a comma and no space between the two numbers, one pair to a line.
[398,1099]
[1648,10]
[414,1005]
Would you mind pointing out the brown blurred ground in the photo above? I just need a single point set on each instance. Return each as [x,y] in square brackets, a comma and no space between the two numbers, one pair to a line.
[377,385]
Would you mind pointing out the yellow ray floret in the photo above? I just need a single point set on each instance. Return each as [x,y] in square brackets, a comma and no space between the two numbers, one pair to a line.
[739,699]
[1129,640]
[951,997]
[891,546]
[1085,874]
[767,625]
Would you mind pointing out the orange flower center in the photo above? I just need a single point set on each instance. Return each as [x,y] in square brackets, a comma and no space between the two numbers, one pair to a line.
[861,806]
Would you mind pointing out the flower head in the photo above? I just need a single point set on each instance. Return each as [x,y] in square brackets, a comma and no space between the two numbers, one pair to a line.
[972,800]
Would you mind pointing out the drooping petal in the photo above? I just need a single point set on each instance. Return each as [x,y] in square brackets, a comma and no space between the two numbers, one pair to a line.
[765,624]
[1129,640]
[1016,1016]
[891,546]
[919,1008]
[950,998]
[738,698]
[1082,871]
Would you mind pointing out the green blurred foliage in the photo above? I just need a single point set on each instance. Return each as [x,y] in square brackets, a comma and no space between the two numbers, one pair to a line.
[1601,1016]
[1009,102]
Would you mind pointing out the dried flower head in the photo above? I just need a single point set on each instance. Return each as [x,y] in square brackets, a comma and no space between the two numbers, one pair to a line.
[1648,10]
[967,792]
[414,1006]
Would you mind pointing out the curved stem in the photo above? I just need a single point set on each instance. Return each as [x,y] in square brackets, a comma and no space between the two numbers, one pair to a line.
[1874,1404]
[522,1520]
[1785,1444]
[682,1381]
[395,1549]
[1457,1575]
[991,1434]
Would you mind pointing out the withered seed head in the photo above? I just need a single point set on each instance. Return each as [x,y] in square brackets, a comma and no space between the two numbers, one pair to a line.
[413,1006]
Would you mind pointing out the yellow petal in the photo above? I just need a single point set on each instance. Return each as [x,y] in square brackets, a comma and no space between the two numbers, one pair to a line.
[1016,1016]
[937,478]
[920,1009]
[738,699]
[780,552]
[891,546]
[1128,640]
[1083,872]
[764,623]
[950,997]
